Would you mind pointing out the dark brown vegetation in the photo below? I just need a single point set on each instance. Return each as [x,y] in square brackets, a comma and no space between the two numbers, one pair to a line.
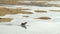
[25,16]
[44,18]
[40,11]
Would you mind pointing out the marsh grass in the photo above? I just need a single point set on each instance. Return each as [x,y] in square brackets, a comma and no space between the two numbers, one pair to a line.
[55,10]
[8,1]
[5,19]
[40,11]
[53,5]
[43,18]
[4,11]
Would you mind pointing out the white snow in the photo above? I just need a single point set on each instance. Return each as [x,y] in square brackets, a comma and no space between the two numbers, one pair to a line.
[35,26]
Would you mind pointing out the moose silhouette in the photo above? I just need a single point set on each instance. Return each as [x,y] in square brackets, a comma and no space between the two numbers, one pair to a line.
[24,25]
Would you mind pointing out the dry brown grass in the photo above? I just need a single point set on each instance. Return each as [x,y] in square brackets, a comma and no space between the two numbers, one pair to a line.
[23,12]
[40,11]
[15,1]
[25,16]
[47,0]
[55,10]
[39,0]
[24,8]
[5,19]
[8,1]
[4,11]
[55,5]
[44,18]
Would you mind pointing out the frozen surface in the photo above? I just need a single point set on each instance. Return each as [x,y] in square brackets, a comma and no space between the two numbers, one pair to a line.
[35,26]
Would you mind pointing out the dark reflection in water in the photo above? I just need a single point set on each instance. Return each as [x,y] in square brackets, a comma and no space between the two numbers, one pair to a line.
[24,25]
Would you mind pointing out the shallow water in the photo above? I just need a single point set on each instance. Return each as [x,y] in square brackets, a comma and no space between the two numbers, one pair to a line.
[36,26]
